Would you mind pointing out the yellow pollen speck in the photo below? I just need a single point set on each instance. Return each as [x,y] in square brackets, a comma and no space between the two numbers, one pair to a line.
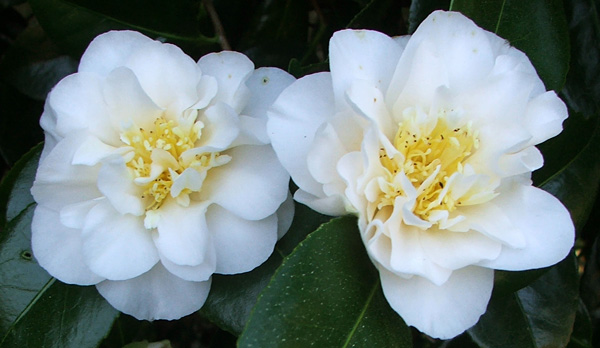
[173,139]
[429,158]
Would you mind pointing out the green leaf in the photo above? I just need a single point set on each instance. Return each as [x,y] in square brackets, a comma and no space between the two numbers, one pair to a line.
[540,315]
[582,91]
[232,297]
[582,329]
[420,9]
[381,15]
[33,64]
[577,183]
[19,126]
[35,309]
[326,294]
[14,189]
[72,24]
[275,33]
[536,27]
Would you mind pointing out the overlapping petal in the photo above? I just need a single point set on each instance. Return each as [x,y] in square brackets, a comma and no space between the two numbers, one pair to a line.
[430,140]
[151,180]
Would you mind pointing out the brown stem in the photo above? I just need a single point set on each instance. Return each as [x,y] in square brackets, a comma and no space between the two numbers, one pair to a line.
[210,8]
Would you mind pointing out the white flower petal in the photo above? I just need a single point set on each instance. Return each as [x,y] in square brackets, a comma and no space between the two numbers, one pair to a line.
[285,216]
[361,55]
[368,101]
[293,120]
[167,75]
[73,215]
[253,176]
[156,294]
[116,246]
[329,205]
[443,311]
[126,100]
[231,69]
[115,182]
[454,250]
[200,272]
[182,235]
[111,50]
[544,116]
[58,183]
[407,253]
[265,85]
[493,222]
[221,128]
[464,49]
[57,248]
[207,90]
[241,245]
[79,101]
[544,222]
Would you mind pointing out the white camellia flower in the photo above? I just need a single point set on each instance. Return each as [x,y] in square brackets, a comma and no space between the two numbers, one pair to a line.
[157,172]
[429,140]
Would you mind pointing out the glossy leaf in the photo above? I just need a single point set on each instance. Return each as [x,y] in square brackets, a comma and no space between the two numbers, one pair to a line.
[582,329]
[33,64]
[539,315]
[232,297]
[536,27]
[35,309]
[19,126]
[14,189]
[577,183]
[420,9]
[39,311]
[72,24]
[582,90]
[326,294]
[277,33]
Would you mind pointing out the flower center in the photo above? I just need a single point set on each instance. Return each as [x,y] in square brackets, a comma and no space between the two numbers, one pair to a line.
[430,153]
[159,159]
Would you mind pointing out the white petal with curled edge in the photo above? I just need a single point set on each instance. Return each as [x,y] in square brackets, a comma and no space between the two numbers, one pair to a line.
[443,311]
[465,51]
[190,179]
[241,245]
[114,181]
[116,246]
[59,249]
[252,186]
[543,221]
[167,75]
[231,69]
[361,55]
[544,116]
[293,121]
[73,215]
[111,50]
[367,100]
[207,90]
[285,216]
[126,100]
[92,151]
[197,273]
[59,183]
[454,250]
[265,85]
[490,220]
[221,128]
[78,102]
[328,205]
[182,235]
[156,294]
